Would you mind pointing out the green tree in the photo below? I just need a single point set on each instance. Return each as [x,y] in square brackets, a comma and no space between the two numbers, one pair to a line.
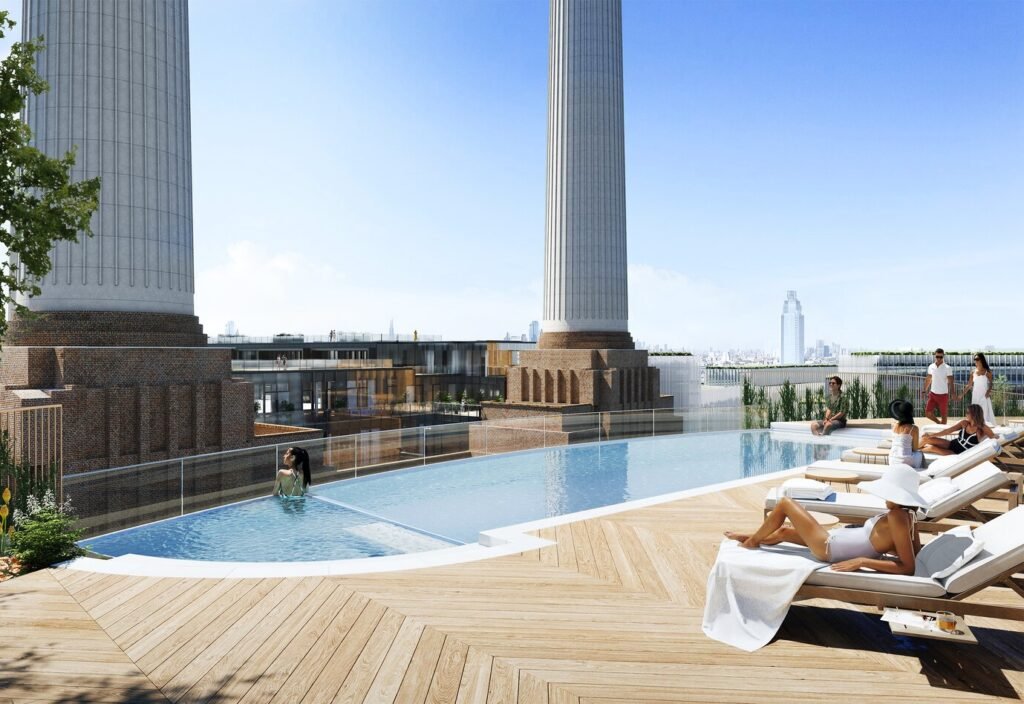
[903,392]
[748,392]
[808,409]
[819,403]
[787,401]
[1000,390]
[39,203]
[881,400]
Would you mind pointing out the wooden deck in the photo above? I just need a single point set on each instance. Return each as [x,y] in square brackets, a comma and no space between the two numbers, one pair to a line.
[610,614]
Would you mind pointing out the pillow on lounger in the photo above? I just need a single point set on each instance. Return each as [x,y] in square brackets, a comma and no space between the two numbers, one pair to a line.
[800,488]
[948,553]
[937,489]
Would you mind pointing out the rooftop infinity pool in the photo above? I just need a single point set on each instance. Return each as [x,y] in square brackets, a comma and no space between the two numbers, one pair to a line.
[447,504]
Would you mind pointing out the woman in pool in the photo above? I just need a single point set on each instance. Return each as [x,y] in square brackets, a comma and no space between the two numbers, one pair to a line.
[295,480]
[970,431]
[891,533]
[906,444]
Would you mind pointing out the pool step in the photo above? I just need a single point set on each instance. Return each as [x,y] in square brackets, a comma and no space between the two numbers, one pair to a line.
[397,537]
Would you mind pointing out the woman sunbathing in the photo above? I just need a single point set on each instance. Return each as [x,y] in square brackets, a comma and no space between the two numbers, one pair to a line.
[972,430]
[850,549]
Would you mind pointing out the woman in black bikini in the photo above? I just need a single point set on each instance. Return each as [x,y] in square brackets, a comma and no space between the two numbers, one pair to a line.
[970,431]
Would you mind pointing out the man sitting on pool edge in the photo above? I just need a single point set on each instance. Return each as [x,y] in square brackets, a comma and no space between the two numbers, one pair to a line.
[835,409]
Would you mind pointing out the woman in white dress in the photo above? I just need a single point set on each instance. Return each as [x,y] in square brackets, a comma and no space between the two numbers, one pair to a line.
[980,385]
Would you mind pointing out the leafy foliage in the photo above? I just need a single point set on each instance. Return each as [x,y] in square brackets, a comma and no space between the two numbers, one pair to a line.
[881,399]
[858,398]
[787,401]
[748,392]
[39,203]
[45,533]
[19,477]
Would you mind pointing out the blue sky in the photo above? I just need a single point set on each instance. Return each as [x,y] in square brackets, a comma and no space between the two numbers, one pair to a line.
[355,162]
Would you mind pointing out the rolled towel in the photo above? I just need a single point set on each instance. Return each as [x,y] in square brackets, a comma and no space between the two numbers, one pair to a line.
[801,488]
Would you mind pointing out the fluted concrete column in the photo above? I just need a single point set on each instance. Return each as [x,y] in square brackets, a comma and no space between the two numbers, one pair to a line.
[119,89]
[585,284]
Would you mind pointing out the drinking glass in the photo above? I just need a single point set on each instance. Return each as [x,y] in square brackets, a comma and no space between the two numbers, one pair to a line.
[946,621]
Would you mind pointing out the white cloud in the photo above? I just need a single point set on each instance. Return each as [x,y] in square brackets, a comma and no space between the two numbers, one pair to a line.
[265,290]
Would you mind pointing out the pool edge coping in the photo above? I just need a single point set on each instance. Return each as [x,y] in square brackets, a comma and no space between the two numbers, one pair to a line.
[494,542]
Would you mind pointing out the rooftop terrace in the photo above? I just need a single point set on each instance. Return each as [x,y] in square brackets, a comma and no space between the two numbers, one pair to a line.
[610,613]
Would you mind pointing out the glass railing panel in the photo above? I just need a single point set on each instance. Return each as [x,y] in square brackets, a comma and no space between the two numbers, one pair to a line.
[449,441]
[387,450]
[579,427]
[226,477]
[667,421]
[111,499]
[620,425]
[512,434]
[339,457]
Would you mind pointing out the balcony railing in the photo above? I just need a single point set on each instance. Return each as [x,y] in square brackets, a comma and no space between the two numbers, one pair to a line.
[273,365]
[340,337]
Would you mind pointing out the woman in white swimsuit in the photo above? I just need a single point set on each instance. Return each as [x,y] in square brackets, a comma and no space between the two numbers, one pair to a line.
[885,543]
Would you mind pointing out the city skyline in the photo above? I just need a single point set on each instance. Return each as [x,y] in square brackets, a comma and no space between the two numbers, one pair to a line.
[835,138]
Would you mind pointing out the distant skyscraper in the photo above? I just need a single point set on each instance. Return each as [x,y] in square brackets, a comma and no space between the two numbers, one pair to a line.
[792,330]
[585,277]
[534,330]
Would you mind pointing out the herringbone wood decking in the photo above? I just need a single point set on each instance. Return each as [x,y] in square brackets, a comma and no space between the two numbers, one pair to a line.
[610,613]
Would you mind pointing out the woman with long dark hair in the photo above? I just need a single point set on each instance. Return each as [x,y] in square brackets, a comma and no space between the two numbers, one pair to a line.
[980,385]
[906,444]
[970,431]
[296,478]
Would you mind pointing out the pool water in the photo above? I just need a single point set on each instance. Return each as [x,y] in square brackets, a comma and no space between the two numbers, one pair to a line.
[446,504]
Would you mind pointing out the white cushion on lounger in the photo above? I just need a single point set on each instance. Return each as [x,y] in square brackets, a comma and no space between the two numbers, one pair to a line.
[855,505]
[947,553]
[872,471]
[1004,550]
[937,489]
[971,486]
[874,581]
[877,582]
[950,465]
[977,482]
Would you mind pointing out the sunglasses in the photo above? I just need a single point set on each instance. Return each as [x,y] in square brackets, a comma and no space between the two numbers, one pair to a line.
[938,356]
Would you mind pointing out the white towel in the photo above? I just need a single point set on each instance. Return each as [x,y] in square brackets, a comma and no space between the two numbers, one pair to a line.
[750,591]
[801,488]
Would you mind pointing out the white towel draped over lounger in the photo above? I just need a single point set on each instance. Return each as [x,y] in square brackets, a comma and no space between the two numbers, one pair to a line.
[750,591]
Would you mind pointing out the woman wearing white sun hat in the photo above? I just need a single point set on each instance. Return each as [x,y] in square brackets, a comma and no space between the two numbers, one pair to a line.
[850,549]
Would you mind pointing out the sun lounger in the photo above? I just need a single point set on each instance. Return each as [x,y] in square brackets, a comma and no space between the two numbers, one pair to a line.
[749,592]
[968,487]
[946,466]
[996,565]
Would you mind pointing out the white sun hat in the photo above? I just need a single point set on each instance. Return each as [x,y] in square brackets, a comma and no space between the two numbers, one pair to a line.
[899,484]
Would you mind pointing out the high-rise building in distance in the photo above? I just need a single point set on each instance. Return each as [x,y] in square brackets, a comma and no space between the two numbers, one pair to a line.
[534,330]
[792,330]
